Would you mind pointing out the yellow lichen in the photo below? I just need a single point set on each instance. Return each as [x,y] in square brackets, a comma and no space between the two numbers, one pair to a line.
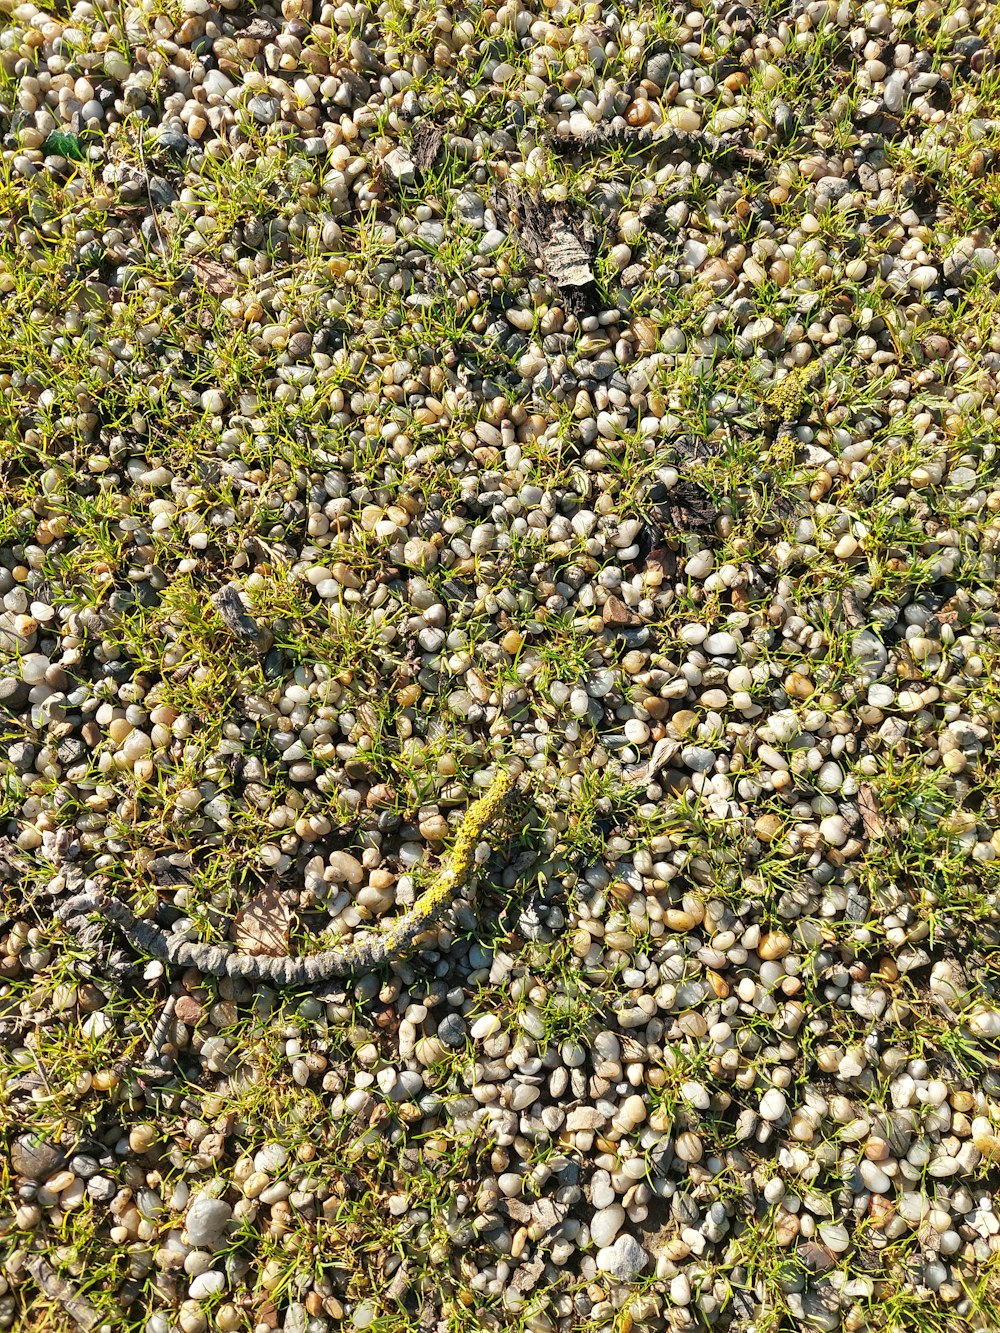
[460,864]
[787,398]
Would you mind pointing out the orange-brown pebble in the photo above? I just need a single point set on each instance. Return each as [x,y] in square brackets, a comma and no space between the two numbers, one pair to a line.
[639,112]
[775,944]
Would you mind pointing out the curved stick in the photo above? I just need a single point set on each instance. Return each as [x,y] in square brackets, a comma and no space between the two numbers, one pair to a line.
[362,955]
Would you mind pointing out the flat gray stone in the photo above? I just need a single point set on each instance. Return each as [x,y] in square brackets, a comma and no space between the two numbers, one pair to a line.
[623,1260]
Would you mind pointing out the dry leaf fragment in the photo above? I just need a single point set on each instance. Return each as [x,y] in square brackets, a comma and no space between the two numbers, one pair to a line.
[617,614]
[264,925]
[214,276]
[868,807]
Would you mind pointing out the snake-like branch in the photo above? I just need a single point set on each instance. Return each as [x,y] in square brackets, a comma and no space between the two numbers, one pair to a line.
[364,954]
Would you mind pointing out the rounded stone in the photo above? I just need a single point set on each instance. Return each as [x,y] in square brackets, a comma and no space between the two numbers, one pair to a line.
[606,1224]
[206,1220]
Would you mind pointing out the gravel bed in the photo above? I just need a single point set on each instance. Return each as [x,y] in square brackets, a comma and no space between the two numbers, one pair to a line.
[395,396]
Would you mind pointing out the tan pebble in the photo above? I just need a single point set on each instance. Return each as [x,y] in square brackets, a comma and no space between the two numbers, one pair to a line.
[142,1137]
[60,1181]
[887,969]
[676,919]
[876,1149]
[786,1227]
[639,112]
[344,866]
[767,827]
[985,1139]
[718,275]
[798,685]
[255,1184]
[645,333]
[775,944]
[242,1169]
[434,828]
[581,943]
[119,729]
[511,642]
[688,1147]
[846,547]
[718,983]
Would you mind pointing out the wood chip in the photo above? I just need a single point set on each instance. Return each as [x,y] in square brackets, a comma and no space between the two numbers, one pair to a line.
[560,237]
[229,604]
[686,508]
[264,925]
[428,141]
[526,1276]
[64,1293]
[566,260]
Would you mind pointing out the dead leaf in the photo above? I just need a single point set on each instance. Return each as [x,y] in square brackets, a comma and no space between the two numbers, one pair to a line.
[664,751]
[664,559]
[264,925]
[214,276]
[267,1313]
[868,807]
[617,614]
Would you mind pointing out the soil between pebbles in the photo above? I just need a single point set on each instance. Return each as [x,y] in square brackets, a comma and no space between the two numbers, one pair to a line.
[606,391]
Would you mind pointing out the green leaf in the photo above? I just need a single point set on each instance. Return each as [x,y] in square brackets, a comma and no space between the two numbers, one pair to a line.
[63,145]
